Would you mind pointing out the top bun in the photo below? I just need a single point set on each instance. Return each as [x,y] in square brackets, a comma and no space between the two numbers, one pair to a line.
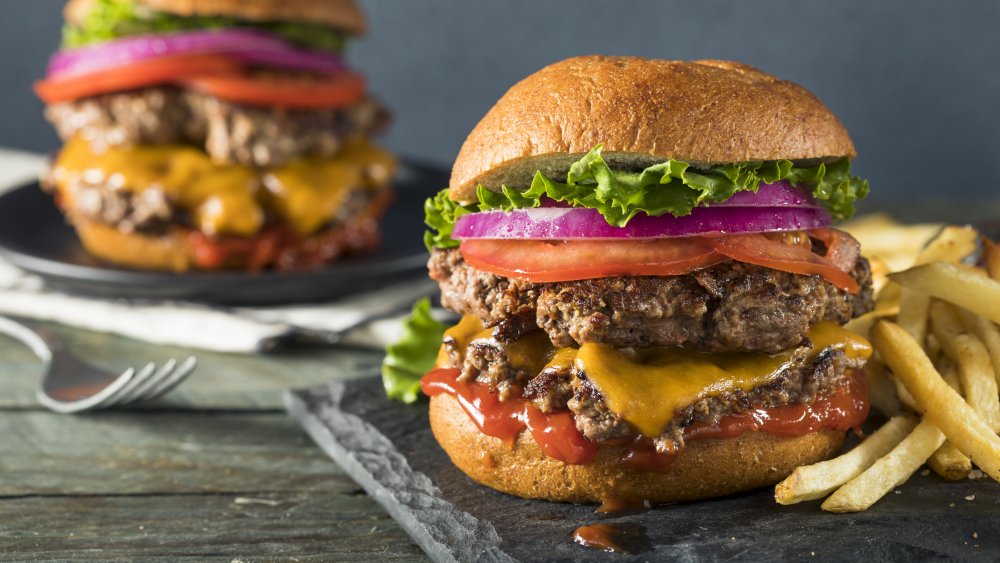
[643,111]
[339,14]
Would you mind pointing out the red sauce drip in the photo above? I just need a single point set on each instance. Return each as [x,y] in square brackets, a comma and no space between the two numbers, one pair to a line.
[618,505]
[625,537]
[641,454]
[844,409]
[487,460]
[557,436]
[279,247]
[555,433]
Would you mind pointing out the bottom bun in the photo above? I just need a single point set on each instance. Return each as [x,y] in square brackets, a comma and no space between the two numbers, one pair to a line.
[170,252]
[706,468]
[174,252]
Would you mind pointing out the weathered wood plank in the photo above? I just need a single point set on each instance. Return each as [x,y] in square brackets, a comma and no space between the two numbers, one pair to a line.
[222,381]
[43,453]
[320,526]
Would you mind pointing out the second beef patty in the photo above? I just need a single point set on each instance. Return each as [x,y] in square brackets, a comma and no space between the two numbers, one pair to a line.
[732,306]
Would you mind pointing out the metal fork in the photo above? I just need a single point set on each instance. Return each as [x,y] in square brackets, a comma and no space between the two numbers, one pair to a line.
[72,385]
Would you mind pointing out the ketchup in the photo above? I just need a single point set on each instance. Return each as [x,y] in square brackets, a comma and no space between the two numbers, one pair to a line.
[557,435]
[280,247]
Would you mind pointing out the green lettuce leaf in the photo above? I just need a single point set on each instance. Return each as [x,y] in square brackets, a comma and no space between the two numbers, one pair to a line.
[673,187]
[440,214]
[112,19]
[413,355]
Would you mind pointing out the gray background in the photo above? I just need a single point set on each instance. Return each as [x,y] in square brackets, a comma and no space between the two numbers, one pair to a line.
[916,82]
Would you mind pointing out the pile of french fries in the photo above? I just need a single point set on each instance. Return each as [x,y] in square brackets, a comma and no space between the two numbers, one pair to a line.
[935,371]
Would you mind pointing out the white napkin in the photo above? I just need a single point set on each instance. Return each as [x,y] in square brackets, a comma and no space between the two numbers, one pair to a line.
[189,325]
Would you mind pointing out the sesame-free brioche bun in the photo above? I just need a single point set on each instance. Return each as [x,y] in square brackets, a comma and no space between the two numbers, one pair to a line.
[706,468]
[170,252]
[345,15]
[643,111]
[173,251]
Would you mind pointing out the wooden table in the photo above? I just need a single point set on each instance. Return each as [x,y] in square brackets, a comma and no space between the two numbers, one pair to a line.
[214,471]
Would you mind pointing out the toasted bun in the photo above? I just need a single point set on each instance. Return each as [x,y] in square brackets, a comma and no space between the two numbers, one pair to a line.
[643,111]
[339,14]
[707,468]
[173,251]
[170,252]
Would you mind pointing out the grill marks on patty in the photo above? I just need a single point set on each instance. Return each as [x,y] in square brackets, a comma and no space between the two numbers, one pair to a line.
[230,133]
[732,306]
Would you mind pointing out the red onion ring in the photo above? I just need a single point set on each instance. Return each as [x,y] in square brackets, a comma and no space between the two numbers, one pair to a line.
[778,194]
[582,223]
[254,47]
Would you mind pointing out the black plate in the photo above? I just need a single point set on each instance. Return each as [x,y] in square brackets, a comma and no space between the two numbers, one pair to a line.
[35,237]
[388,448]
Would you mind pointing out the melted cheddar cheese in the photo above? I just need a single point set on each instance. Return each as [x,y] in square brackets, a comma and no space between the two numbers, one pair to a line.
[227,198]
[646,387]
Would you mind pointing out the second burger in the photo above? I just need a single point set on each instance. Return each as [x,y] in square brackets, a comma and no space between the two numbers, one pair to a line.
[207,135]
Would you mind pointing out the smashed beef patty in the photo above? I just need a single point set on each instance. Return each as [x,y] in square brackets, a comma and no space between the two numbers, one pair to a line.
[231,133]
[802,379]
[731,306]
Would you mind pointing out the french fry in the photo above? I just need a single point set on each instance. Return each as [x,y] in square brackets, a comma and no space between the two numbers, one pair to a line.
[992,257]
[810,482]
[955,284]
[989,333]
[863,324]
[975,368]
[942,406]
[887,299]
[933,348]
[947,461]
[882,389]
[889,471]
[952,244]
[886,239]
[880,273]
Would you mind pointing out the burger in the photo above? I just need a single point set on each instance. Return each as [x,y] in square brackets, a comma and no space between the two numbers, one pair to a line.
[652,294]
[215,134]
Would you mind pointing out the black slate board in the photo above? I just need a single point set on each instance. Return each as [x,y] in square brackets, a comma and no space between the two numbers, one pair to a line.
[388,448]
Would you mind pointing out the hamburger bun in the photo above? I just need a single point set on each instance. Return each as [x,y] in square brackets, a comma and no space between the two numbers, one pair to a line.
[345,15]
[174,251]
[171,252]
[643,112]
[706,468]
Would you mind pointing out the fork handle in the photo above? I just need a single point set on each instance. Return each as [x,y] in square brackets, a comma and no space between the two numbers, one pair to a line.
[28,337]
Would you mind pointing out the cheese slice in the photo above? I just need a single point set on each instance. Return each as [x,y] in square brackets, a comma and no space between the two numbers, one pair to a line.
[646,387]
[228,198]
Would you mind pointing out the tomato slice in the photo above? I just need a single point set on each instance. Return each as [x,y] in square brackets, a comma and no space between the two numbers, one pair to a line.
[278,89]
[542,261]
[128,77]
[756,248]
[842,249]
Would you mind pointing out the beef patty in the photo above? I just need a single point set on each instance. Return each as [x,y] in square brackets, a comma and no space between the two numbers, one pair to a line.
[801,380]
[151,212]
[731,306]
[230,133]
